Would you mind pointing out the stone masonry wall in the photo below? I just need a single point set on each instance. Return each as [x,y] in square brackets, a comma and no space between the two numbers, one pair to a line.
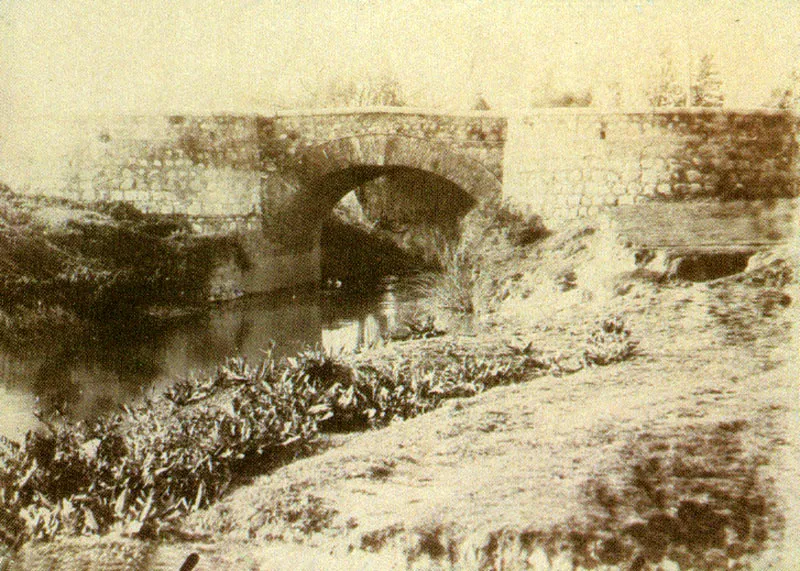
[565,164]
[479,136]
[560,164]
[210,165]
[230,172]
[167,165]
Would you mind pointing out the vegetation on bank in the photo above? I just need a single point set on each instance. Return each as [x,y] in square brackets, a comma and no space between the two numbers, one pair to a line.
[467,276]
[139,471]
[62,263]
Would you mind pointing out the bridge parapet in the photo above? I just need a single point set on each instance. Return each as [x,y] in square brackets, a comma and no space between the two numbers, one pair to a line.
[565,165]
[287,137]
[214,165]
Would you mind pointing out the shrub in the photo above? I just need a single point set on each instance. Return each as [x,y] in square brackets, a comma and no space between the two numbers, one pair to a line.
[609,342]
[144,467]
[103,266]
[521,229]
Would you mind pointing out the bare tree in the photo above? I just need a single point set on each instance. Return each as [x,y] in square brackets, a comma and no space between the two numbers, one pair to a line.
[707,85]
[666,90]
[480,103]
[366,91]
[787,97]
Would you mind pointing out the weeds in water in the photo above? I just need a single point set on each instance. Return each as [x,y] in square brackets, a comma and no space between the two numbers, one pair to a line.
[420,325]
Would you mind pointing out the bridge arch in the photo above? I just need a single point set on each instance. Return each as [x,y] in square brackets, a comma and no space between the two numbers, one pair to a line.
[385,151]
[323,173]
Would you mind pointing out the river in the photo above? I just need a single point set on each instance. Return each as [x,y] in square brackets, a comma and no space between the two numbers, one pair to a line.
[86,376]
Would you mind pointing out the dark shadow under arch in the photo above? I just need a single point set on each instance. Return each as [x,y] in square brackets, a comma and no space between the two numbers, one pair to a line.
[326,172]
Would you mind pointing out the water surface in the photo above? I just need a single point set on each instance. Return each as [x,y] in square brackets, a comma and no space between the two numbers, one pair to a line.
[87,375]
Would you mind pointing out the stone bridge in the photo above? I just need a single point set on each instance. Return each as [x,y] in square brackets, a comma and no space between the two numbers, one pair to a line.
[272,178]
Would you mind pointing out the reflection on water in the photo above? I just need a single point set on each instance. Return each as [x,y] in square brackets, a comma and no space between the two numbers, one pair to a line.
[86,376]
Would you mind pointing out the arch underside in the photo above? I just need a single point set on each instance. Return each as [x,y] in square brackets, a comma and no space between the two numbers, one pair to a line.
[326,172]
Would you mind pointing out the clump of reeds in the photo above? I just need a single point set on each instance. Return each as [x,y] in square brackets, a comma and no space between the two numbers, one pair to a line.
[142,468]
[453,287]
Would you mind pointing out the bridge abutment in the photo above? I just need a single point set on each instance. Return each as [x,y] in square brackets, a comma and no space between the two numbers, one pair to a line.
[272,267]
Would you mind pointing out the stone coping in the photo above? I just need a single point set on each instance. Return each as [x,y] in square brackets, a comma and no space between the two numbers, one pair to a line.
[491,114]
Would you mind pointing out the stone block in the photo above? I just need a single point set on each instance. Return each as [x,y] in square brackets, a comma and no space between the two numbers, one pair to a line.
[631,174]
[636,187]
[85,187]
[194,208]
[561,176]
[649,176]
[693,176]
[562,562]
[197,185]
[236,208]
[538,560]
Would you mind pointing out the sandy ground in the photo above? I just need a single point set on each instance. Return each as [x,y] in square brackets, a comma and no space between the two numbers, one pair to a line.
[683,457]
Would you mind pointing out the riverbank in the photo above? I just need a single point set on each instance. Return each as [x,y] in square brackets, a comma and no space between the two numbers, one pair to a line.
[680,457]
[64,264]
[675,453]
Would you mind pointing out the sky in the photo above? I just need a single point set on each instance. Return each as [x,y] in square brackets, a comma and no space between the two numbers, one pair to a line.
[149,56]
